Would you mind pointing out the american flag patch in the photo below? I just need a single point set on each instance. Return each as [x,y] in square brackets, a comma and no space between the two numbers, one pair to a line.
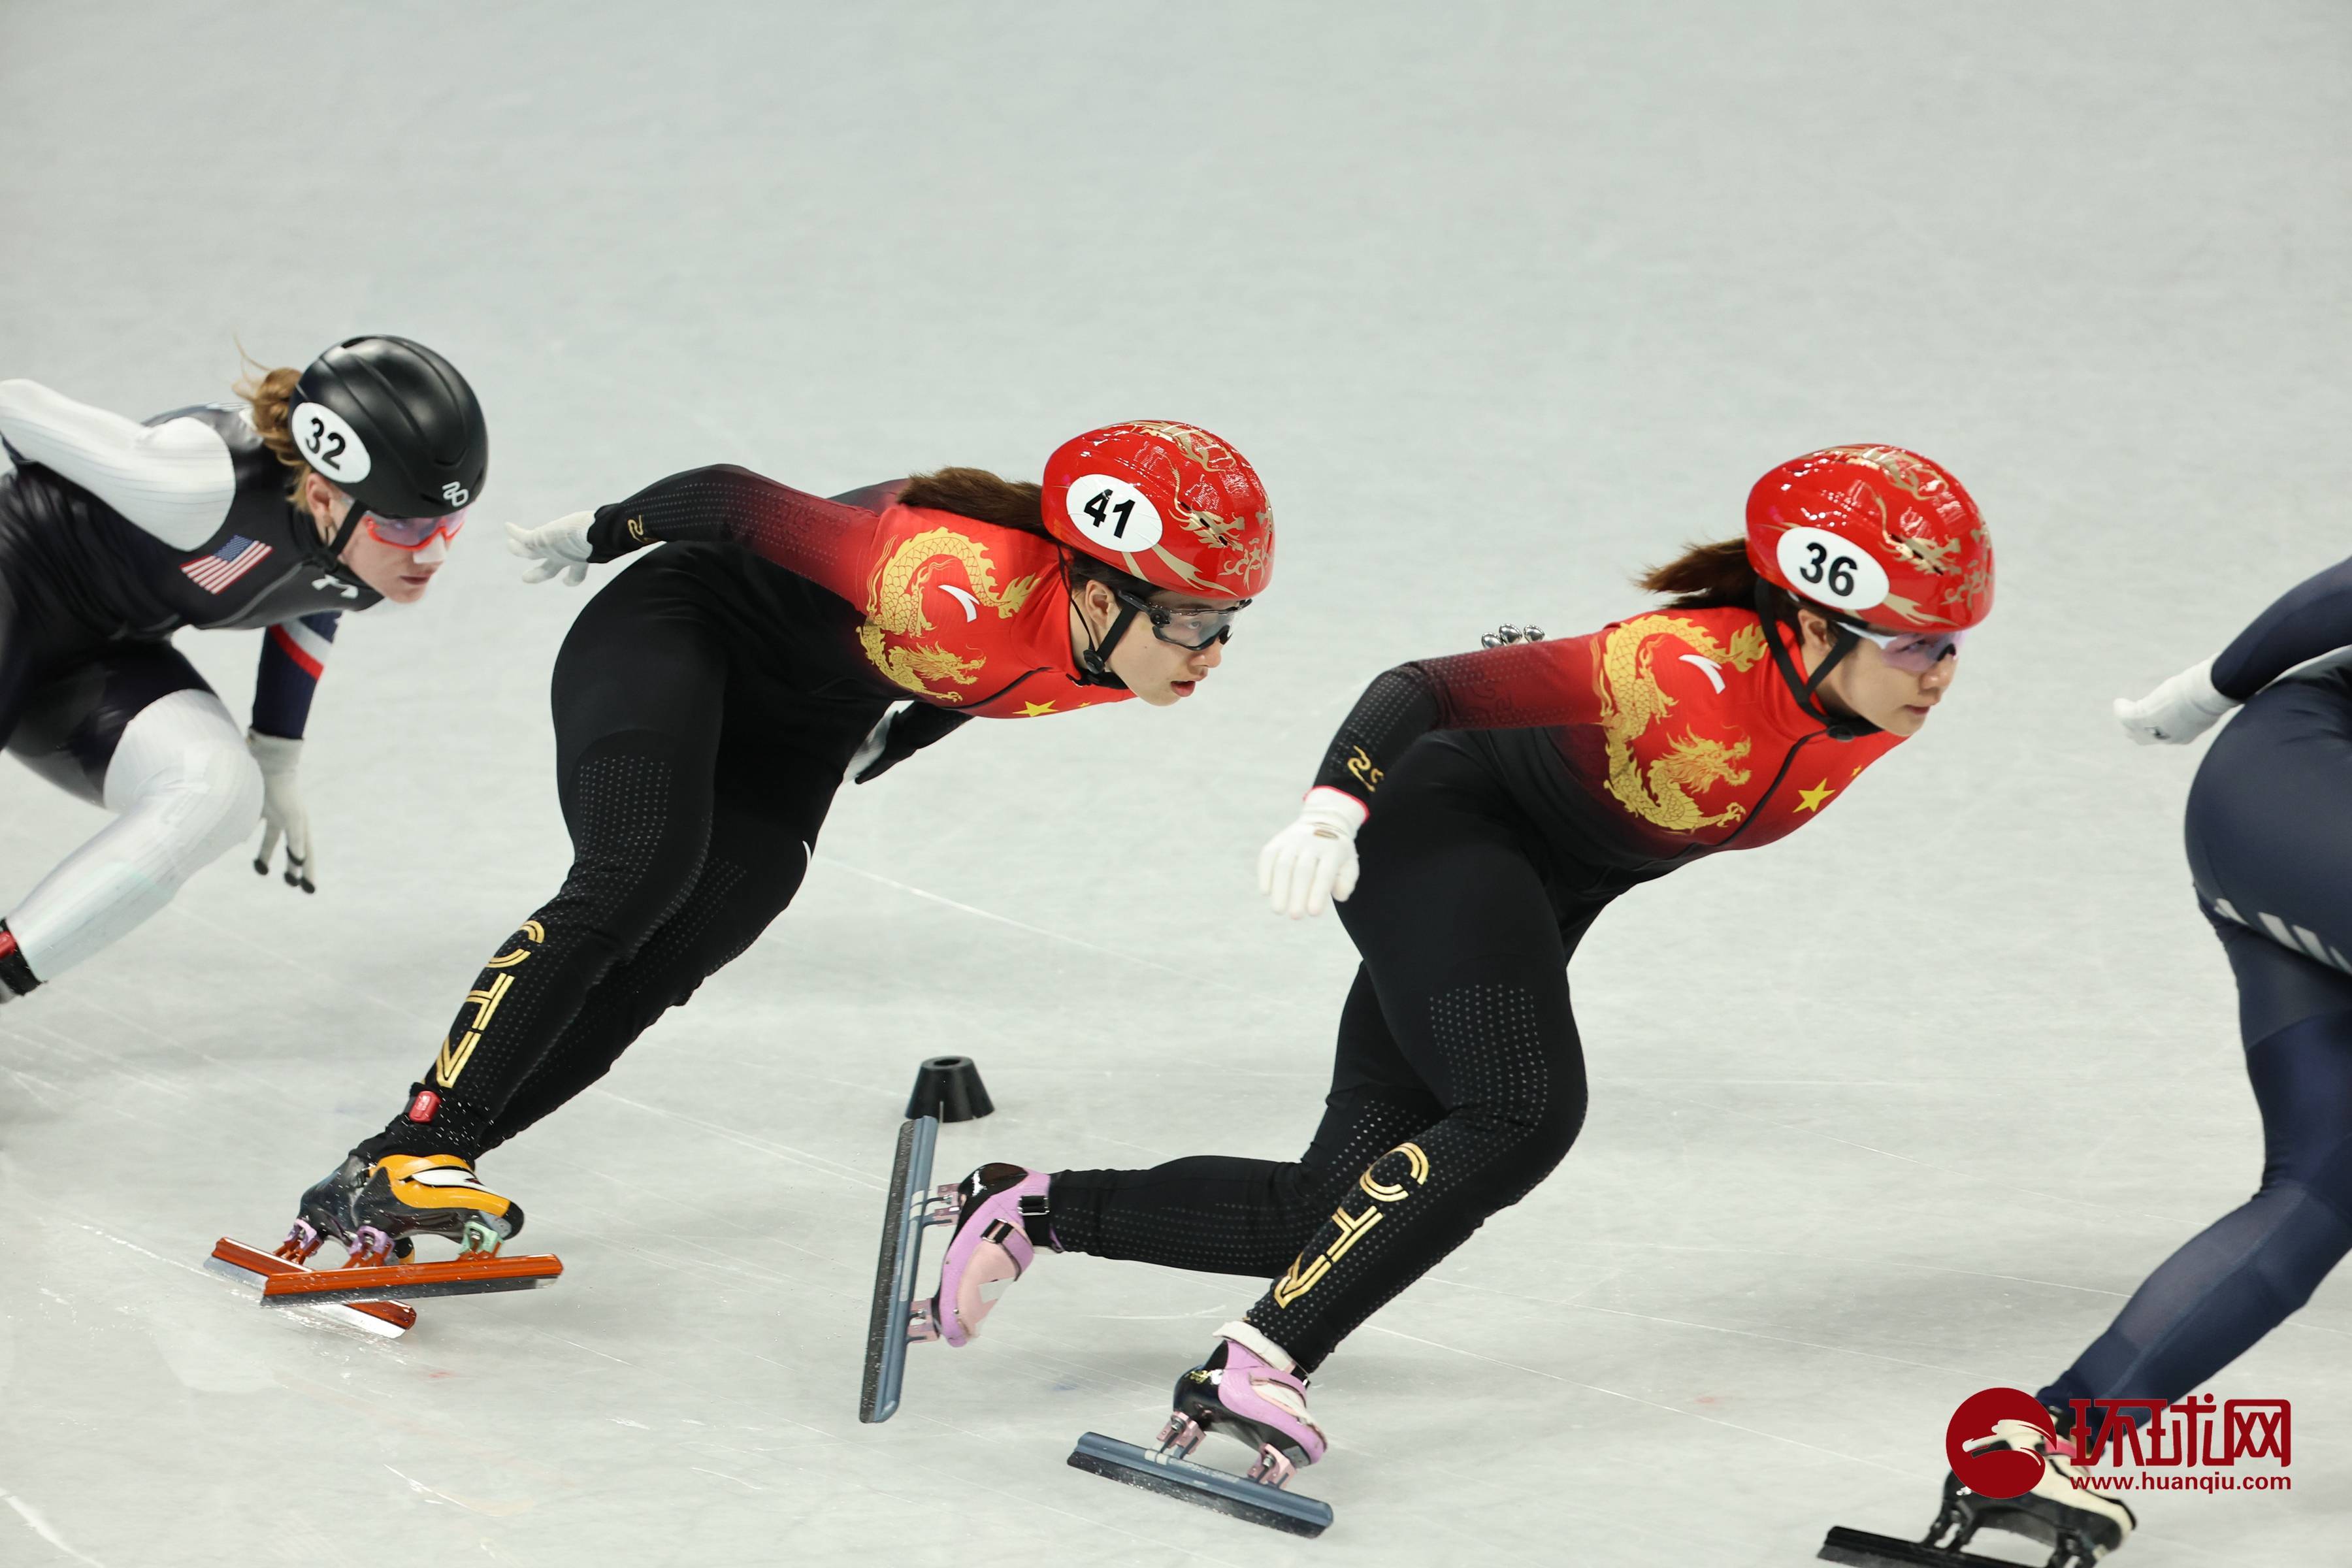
[223,566]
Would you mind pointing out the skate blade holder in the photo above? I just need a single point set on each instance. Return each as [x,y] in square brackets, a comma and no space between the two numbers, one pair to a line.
[1163,1472]
[468,1274]
[249,1266]
[1860,1549]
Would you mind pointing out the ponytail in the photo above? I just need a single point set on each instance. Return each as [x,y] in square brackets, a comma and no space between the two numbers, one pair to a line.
[1015,504]
[269,397]
[979,495]
[1719,576]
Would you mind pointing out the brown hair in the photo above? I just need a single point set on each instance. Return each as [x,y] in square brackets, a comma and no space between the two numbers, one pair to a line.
[269,395]
[979,495]
[1016,504]
[1718,576]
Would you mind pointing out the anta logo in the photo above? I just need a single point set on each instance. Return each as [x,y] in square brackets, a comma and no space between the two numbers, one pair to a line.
[456,494]
[449,1064]
[1361,769]
[637,528]
[1405,1160]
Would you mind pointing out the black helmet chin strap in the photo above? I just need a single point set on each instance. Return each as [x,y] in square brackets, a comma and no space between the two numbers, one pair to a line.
[1093,659]
[1840,727]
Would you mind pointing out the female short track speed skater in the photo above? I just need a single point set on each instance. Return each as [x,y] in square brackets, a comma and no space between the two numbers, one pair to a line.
[2269,835]
[334,489]
[708,702]
[1503,798]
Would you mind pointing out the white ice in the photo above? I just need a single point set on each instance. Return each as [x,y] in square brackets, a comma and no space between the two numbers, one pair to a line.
[1504,302]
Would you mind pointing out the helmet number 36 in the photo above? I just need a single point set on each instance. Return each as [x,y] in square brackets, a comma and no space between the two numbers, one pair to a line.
[1829,570]
[1113,513]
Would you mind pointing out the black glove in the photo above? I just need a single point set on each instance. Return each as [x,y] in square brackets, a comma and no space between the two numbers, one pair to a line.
[898,735]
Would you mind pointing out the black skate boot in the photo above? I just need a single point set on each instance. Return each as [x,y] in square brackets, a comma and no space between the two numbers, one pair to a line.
[2079,1525]
[326,1211]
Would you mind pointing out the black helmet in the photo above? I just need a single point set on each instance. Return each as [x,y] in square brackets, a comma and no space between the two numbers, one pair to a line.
[394,426]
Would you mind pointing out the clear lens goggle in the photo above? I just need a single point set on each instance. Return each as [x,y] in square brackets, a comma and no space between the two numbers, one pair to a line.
[1190,626]
[1915,653]
[415,532]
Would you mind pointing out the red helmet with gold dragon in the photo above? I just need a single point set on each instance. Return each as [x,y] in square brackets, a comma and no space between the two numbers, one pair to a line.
[1169,503]
[1876,534]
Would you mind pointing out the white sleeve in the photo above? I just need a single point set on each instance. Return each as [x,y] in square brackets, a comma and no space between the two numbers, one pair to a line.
[174,479]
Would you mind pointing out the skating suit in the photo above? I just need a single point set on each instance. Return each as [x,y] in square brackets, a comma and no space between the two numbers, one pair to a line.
[90,598]
[2269,833]
[1513,793]
[706,704]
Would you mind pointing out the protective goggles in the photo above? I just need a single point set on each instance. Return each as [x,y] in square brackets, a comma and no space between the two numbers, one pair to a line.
[415,532]
[1915,653]
[1190,626]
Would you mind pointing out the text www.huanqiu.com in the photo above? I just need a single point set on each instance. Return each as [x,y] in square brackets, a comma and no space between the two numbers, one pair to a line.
[2206,1481]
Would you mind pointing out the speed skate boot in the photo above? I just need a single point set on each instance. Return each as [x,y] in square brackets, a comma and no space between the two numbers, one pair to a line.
[408,1195]
[326,1213]
[1247,1389]
[1001,1220]
[2062,1511]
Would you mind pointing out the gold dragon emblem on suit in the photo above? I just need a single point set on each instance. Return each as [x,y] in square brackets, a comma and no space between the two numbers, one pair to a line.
[1667,792]
[895,624]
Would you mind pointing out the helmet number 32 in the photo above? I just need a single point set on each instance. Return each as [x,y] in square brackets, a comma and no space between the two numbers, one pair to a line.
[329,444]
[1113,513]
[1829,570]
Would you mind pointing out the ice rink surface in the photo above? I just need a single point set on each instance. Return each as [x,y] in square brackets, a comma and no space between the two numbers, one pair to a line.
[1504,302]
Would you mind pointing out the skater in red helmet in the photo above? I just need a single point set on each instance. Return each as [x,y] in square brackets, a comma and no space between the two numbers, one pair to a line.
[710,701]
[1502,799]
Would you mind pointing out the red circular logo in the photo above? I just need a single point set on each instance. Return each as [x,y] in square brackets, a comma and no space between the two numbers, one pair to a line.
[2002,1472]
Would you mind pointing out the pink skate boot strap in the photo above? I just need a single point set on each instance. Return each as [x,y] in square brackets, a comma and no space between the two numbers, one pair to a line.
[991,1248]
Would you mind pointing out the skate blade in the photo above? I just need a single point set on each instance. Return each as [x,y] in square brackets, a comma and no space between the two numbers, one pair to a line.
[250,1266]
[891,1319]
[1860,1549]
[1272,1507]
[393,1282]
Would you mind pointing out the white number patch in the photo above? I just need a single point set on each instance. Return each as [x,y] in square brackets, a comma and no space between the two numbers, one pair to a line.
[330,445]
[1112,512]
[1830,570]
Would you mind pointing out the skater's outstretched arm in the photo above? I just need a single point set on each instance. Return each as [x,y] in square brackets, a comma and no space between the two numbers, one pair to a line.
[174,479]
[1517,685]
[2311,619]
[827,541]
[1312,863]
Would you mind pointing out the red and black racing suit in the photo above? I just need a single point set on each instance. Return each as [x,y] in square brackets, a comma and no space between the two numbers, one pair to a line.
[706,703]
[1513,793]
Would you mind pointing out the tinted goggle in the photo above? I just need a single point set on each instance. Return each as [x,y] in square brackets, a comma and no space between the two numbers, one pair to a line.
[415,532]
[1193,628]
[1915,653]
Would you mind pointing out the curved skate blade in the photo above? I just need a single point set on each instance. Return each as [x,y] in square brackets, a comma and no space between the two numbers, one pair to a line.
[250,1266]
[892,1319]
[1252,1500]
[1860,1549]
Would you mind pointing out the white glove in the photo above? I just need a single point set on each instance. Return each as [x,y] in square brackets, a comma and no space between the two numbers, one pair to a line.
[2178,712]
[553,549]
[1312,862]
[282,809]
